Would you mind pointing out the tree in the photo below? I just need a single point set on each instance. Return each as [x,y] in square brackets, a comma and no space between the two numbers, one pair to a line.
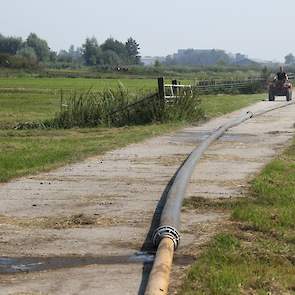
[10,45]
[91,51]
[114,52]
[289,59]
[64,56]
[75,53]
[72,50]
[132,48]
[53,56]
[72,56]
[110,57]
[40,46]
[157,64]
[114,45]
[28,53]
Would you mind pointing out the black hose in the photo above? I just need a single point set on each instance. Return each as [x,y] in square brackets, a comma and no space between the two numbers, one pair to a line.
[170,218]
[262,112]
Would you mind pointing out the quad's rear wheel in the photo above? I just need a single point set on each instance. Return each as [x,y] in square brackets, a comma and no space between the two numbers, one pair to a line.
[271,97]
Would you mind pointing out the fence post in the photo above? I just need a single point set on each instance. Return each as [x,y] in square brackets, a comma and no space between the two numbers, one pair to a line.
[161,96]
[161,88]
[174,82]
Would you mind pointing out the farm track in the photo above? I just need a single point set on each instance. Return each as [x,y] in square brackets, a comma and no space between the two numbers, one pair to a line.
[103,207]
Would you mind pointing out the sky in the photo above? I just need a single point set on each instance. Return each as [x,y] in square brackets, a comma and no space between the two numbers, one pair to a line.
[260,29]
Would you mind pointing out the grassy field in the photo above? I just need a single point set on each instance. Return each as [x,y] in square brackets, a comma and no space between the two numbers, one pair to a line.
[26,106]
[255,255]
[217,105]
[28,99]
[33,99]
[179,72]
[30,151]
[74,83]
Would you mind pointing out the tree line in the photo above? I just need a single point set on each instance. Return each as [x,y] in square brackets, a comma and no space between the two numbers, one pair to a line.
[16,52]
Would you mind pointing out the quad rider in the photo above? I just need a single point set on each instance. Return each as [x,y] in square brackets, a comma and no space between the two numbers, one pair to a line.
[281,76]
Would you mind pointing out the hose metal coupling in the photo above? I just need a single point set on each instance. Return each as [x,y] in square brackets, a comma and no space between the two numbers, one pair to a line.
[166,231]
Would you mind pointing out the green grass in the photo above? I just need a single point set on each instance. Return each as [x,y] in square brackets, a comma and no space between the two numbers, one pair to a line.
[217,105]
[273,210]
[26,107]
[256,254]
[36,84]
[33,99]
[31,151]
[37,99]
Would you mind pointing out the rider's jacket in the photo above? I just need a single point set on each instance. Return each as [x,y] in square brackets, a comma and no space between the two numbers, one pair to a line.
[281,76]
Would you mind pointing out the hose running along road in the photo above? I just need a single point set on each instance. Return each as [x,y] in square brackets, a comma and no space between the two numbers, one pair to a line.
[166,237]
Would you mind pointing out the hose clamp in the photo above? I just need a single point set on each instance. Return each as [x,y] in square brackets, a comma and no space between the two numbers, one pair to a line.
[251,114]
[166,231]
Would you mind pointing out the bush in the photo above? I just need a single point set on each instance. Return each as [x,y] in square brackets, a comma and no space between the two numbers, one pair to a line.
[185,107]
[16,62]
[120,108]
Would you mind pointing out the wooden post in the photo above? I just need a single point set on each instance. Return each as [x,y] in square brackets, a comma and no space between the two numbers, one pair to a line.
[161,97]
[161,88]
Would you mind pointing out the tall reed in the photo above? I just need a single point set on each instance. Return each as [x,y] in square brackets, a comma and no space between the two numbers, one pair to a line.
[118,107]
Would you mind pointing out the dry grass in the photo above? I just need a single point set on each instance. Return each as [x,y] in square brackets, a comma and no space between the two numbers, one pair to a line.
[60,222]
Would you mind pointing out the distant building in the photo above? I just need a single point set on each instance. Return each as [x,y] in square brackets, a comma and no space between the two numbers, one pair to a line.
[207,57]
[150,60]
[243,60]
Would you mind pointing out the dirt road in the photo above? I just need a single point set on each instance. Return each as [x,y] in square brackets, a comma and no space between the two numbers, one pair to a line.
[81,229]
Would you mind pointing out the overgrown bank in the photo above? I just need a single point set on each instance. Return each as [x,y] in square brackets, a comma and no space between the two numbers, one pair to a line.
[255,255]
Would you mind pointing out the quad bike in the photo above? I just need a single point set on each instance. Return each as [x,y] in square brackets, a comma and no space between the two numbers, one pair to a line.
[280,88]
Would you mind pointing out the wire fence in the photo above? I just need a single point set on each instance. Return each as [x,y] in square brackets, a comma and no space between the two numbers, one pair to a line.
[168,93]
[172,91]
[249,85]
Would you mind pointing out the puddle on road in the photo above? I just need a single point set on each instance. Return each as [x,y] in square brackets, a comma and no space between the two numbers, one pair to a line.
[15,265]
